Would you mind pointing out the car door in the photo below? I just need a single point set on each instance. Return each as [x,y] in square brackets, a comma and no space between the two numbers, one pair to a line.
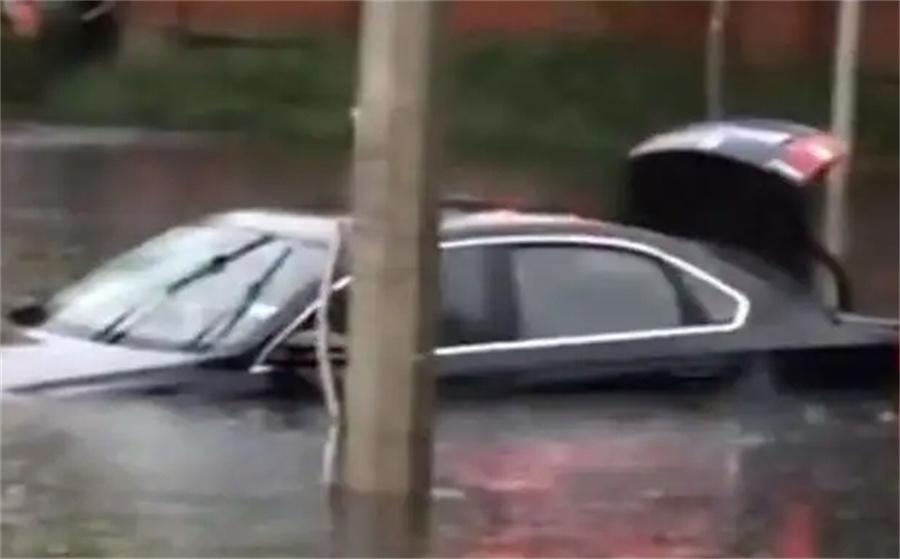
[474,307]
[575,308]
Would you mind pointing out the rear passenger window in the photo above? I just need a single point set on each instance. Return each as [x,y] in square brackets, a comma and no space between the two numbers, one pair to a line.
[573,290]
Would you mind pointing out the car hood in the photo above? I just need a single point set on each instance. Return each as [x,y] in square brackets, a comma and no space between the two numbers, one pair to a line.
[47,359]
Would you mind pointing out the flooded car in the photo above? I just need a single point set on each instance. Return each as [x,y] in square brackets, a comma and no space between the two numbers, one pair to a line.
[720,289]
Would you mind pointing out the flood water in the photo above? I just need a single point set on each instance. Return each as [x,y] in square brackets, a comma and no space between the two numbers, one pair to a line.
[576,475]
[595,474]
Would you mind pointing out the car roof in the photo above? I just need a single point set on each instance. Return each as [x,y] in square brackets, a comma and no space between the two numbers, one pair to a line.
[729,264]
[456,225]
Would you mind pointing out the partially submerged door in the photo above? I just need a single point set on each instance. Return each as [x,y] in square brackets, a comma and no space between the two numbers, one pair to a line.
[587,307]
[755,185]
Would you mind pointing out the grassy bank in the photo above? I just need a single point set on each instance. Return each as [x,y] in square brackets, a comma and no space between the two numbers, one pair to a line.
[576,104]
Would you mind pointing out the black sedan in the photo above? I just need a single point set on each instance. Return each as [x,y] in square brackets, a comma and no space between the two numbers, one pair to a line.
[227,306]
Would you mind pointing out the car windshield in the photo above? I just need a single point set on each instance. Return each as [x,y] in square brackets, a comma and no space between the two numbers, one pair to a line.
[191,288]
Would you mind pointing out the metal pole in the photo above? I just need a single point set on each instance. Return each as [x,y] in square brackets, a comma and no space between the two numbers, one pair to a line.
[843,105]
[388,385]
[715,60]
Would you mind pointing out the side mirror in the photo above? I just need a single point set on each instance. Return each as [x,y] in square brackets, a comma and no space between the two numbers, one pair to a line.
[27,313]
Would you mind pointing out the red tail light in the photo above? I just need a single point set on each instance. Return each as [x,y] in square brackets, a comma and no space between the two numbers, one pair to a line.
[811,155]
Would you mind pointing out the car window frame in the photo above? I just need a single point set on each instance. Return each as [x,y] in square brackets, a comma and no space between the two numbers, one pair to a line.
[496,271]
[660,256]
[502,273]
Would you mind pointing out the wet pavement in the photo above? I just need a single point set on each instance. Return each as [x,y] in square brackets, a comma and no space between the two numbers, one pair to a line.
[563,474]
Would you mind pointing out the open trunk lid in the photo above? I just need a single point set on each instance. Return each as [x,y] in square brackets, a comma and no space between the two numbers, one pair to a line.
[755,185]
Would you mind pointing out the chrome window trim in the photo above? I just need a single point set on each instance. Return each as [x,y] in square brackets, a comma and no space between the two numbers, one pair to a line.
[737,322]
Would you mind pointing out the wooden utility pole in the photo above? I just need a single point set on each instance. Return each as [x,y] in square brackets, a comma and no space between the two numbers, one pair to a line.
[843,108]
[389,384]
[715,60]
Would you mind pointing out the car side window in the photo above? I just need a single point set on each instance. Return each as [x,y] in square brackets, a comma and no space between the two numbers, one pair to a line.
[466,300]
[566,290]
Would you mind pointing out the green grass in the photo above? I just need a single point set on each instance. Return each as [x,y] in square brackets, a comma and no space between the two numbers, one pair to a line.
[583,101]
[301,93]
[576,104]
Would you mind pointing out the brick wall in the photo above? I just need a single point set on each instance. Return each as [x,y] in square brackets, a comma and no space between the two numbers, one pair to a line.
[760,32]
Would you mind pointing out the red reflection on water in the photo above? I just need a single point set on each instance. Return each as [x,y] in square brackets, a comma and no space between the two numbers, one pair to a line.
[638,496]
[798,529]
[665,495]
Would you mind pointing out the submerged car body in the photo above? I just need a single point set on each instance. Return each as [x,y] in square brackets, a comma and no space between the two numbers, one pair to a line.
[227,306]
[629,302]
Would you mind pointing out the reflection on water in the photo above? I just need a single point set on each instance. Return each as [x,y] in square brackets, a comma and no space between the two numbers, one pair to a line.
[71,199]
[560,475]
[66,208]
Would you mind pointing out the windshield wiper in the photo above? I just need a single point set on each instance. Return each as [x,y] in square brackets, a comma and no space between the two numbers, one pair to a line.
[113,331]
[254,291]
